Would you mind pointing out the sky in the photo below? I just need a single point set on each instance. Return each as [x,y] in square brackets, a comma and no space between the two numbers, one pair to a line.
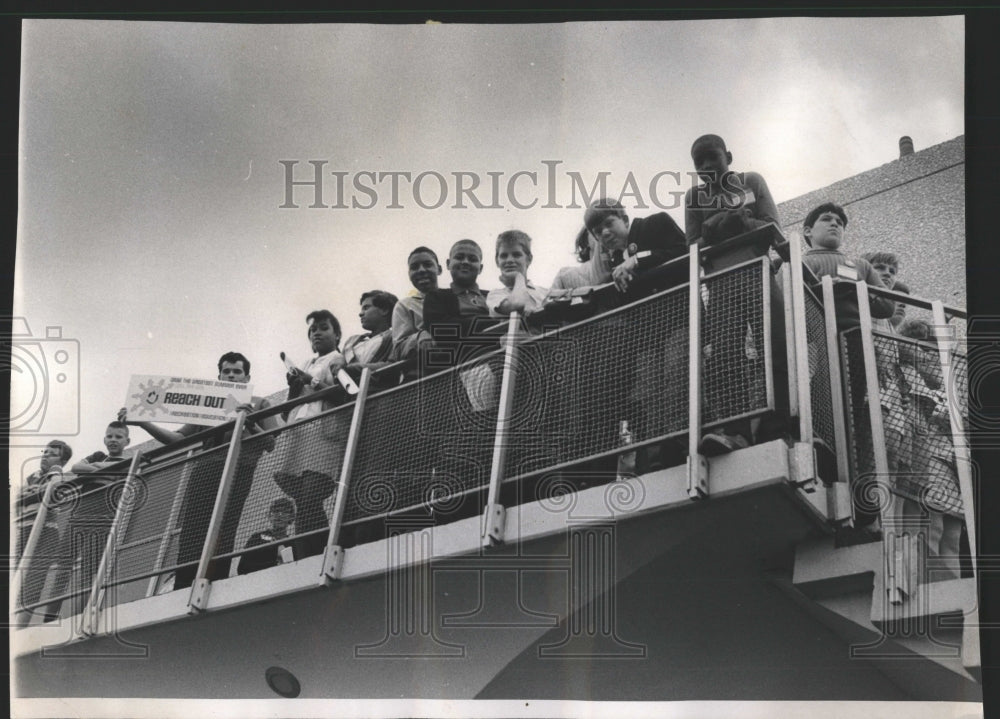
[154,158]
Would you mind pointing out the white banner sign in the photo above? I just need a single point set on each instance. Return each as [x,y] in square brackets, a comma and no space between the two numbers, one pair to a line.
[154,398]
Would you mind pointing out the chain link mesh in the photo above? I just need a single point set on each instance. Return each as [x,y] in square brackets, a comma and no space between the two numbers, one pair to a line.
[148,534]
[70,547]
[574,387]
[301,463]
[429,441]
[819,371]
[915,410]
[734,380]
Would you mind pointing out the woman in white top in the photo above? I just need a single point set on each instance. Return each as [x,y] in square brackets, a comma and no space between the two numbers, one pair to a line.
[313,451]
[594,268]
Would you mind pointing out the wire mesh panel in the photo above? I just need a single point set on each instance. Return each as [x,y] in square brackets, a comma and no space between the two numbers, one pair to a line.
[734,381]
[926,467]
[427,442]
[574,388]
[47,559]
[153,503]
[194,513]
[67,557]
[295,471]
[819,371]
[914,406]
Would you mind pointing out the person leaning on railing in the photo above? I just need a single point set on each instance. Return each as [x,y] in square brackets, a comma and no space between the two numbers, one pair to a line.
[725,205]
[199,499]
[373,348]
[56,454]
[517,293]
[930,490]
[636,247]
[824,229]
[594,266]
[455,318]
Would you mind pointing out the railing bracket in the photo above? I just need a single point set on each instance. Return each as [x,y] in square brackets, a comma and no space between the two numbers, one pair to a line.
[199,596]
[333,565]
[802,466]
[697,473]
[494,519]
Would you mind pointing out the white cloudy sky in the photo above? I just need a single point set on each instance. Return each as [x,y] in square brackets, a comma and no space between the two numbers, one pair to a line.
[150,183]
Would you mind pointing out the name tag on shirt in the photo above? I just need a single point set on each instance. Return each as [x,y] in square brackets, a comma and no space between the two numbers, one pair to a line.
[847,272]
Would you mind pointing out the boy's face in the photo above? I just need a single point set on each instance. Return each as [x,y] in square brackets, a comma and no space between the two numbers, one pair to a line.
[465,262]
[512,260]
[611,233]
[424,271]
[711,162]
[281,518]
[826,233]
[886,272]
[115,440]
[233,372]
[322,337]
[372,317]
[51,457]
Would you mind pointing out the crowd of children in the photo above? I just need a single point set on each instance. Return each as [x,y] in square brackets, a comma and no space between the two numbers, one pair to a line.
[453,320]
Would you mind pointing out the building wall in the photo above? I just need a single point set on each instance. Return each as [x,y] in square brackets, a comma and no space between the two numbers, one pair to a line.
[913,206]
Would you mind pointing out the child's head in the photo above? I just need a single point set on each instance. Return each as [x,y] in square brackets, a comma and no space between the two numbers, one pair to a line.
[323,332]
[465,262]
[711,158]
[56,453]
[513,255]
[608,223]
[886,264]
[424,269]
[234,367]
[281,514]
[116,438]
[824,226]
[376,310]
[923,356]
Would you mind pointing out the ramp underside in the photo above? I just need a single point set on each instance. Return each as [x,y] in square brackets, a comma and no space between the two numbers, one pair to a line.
[670,605]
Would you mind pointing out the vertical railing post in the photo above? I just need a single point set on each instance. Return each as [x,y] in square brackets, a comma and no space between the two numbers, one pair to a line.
[971,657]
[198,599]
[25,561]
[91,612]
[790,349]
[945,342]
[493,514]
[802,370]
[175,510]
[768,349]
[697,465]
[333,558]
[836,381]
[840,505]
[897,583]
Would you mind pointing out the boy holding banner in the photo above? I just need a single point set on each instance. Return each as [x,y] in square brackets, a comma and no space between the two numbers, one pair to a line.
[199,499]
